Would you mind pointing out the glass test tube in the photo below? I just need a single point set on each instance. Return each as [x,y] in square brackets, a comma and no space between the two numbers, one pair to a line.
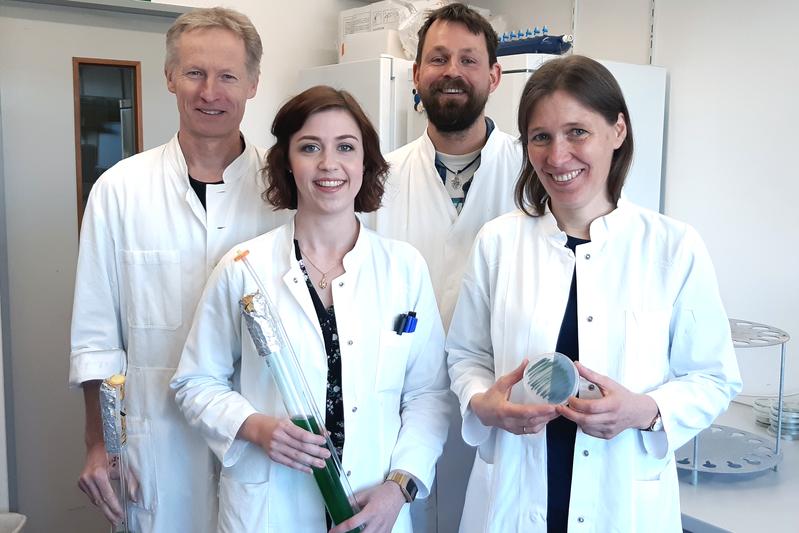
[272,343]
[112,411]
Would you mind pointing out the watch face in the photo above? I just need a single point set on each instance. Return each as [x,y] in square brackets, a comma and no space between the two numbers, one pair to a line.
[411,488]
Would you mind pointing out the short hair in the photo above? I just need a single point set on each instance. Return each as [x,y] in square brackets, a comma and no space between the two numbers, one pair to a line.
[591,84]
[281,189]
[217,17]
[467,16]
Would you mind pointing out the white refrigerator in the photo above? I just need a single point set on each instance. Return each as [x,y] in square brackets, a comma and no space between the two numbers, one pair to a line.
[384,88]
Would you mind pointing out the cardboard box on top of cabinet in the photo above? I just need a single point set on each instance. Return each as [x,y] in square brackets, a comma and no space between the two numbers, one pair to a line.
[368,31]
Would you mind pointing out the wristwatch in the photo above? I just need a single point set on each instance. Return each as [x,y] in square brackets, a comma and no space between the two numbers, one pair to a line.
[656,424]
[406,484]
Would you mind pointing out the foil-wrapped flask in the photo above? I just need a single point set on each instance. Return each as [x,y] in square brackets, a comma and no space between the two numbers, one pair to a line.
[272,344]
[112,413]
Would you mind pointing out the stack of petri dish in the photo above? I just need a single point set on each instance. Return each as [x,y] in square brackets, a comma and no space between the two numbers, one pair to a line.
[790,419]
[762,410]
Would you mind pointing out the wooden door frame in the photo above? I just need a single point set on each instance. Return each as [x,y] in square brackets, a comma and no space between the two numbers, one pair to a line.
[76,63]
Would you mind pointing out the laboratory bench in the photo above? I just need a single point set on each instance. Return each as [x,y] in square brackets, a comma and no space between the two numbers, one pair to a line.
[752,503]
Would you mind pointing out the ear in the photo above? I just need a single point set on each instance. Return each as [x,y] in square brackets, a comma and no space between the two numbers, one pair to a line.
[495,75]
[253,87]
[170,81]
[416,75]
[620,128]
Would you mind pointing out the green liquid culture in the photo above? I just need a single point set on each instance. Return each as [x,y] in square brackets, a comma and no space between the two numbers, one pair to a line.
[327,479]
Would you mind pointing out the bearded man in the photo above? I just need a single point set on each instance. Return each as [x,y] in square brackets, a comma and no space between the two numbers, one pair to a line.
[442,188]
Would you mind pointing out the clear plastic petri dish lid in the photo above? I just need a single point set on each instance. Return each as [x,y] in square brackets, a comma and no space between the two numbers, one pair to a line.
[550,378]
[762,405]
[788,406]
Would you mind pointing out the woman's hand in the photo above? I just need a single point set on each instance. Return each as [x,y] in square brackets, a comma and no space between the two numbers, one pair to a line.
[380,507]
[617,410]
[493,408]
[284,442]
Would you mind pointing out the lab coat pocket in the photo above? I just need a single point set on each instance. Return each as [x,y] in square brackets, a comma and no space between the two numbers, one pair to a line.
[243,506]
[243,492]
[646,349]
[142,462]
[152,284]
[392,360]
[655,497]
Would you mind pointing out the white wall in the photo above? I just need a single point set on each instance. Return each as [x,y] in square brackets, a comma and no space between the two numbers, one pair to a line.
[730,168]
[296,34]
[617,30]
[523,14]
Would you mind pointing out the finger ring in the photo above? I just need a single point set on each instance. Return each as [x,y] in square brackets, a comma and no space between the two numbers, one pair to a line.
[524,429]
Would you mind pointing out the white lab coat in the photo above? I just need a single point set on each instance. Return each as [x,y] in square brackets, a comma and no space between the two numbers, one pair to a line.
[650,318]
[146,249]
[394,386]
[417,207]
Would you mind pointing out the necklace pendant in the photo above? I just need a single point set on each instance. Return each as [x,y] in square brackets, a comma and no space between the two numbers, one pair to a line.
[323,282]
[456,182]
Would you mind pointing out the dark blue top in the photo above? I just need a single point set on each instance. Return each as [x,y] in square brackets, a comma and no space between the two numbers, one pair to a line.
[561,431]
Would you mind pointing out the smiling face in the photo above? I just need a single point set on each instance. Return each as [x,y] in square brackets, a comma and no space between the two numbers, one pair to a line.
[326,159]
[453,76]
[211,83]
[571,148]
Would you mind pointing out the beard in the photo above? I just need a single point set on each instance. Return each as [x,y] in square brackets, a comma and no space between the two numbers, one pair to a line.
[451,116]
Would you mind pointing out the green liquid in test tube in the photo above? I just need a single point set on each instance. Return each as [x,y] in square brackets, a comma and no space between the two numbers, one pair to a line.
[327,479]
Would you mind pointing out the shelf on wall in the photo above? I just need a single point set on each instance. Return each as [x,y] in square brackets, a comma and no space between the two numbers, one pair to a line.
[138,7]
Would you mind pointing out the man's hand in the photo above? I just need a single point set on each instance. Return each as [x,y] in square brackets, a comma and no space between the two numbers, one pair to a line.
[95,481]
[493,408]
[284,442]
[617,410]
[380,507]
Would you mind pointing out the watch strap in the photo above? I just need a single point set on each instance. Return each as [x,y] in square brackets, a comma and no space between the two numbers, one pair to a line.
[656,424]
[406,484]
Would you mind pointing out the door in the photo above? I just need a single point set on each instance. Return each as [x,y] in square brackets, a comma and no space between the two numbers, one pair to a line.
[37,45]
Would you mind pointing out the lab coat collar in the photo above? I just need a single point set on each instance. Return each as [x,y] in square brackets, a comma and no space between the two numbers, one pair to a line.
[604,226]
[489,146]
[351,260]
[600,228]
[237,169]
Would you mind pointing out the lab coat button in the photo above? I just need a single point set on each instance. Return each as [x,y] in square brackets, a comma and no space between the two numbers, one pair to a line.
[590,318]
[580,519]
[349,343]
[588,256]
[340,283]
[295,280]
[585,453]
[349,472]
[354,409]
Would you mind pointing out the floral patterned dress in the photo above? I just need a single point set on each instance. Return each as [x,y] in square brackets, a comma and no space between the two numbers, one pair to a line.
[334,404]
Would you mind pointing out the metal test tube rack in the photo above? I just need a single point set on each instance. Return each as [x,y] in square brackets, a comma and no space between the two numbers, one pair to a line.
[727,450]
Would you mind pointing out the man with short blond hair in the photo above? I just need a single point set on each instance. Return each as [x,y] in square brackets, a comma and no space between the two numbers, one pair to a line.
[155,226]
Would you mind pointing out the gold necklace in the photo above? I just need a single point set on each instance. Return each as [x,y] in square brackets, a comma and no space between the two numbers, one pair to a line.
[322,282]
